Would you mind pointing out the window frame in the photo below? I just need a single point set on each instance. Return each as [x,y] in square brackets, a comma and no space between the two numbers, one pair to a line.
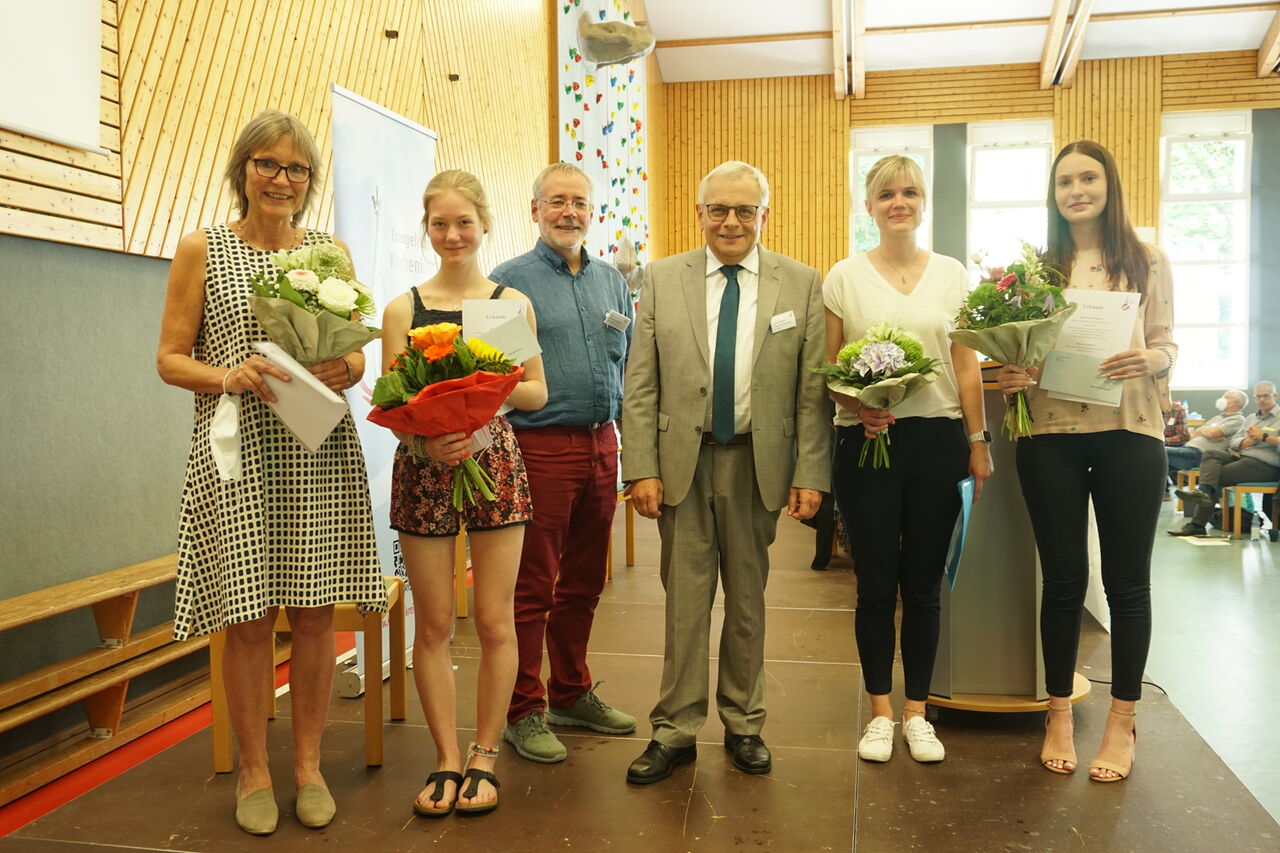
[1178,127]
[877,142]
[1017,134]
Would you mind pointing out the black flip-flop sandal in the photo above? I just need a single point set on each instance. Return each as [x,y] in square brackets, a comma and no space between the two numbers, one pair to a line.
[438,779]
[476,776]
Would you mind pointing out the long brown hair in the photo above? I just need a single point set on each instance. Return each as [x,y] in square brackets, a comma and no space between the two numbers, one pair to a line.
[1123,255]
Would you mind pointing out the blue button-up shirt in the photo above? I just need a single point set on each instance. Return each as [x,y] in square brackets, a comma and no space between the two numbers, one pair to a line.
[582,356]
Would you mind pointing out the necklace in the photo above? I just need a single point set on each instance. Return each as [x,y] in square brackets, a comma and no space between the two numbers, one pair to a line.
[901,275]
[237,228]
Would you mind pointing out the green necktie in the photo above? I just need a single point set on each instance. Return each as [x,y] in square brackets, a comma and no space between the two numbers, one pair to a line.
[722,390]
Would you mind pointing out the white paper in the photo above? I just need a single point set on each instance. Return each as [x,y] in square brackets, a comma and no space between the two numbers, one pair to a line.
[1101,326]
[500,323]
[305,405]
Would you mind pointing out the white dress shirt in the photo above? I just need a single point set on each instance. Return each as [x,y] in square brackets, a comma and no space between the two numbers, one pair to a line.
[748,297]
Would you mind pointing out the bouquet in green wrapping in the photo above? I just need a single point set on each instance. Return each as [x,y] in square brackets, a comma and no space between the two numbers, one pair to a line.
[1014,316]
[880,370]
[305,301]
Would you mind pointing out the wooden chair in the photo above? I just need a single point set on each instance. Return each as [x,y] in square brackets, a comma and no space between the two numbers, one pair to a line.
[1186,480]
[625,499]
[1234,495]
[346,617]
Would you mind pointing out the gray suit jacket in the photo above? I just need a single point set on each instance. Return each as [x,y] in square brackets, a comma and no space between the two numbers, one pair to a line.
[666,404]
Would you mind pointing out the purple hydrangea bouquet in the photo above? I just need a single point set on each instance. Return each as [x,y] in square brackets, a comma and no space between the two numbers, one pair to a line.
[1014,316]
[880,370]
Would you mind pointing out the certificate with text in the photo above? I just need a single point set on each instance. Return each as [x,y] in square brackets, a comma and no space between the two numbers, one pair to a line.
[1101,326]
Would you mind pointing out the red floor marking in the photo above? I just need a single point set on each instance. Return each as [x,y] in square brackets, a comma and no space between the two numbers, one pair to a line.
[59,792]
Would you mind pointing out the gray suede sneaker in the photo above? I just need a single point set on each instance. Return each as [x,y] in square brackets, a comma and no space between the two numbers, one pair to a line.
[590,712]
[533,740]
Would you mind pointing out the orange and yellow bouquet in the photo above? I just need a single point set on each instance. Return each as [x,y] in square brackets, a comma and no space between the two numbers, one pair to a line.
[440,384]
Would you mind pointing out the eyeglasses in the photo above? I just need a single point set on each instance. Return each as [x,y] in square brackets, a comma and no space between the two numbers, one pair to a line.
[297,173]
[556,205]
[744,213]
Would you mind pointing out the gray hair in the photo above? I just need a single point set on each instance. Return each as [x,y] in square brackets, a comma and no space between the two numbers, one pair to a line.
[564,168]
[1239,396]
[730,169]
[1266,382]
[267,128]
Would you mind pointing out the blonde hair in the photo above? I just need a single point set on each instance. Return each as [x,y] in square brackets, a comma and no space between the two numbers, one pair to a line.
[267,128]
[887,169]
[730,169]
[464,184]
[565,168]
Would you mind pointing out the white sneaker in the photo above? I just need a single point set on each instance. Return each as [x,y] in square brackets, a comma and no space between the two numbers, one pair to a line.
[920,737]
[877,740]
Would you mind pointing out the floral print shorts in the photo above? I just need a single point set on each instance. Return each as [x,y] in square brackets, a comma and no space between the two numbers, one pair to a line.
[422,490]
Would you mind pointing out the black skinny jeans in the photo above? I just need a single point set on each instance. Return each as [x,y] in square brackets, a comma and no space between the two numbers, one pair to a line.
[1124,473]
[900,521]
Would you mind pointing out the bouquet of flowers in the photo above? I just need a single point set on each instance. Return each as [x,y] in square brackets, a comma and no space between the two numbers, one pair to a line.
[305,302]
[440,384]
[880,370]
[1014,316]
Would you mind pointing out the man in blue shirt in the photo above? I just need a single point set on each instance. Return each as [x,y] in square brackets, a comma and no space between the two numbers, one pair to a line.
[570,451]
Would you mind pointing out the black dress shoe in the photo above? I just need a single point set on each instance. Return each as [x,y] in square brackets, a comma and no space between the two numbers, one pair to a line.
[657,761]
[750,755]
[1189,529]
[1195,496]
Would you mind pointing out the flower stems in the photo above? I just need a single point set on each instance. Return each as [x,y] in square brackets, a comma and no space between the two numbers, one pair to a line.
[1017,417]
[468,479]
[879,448]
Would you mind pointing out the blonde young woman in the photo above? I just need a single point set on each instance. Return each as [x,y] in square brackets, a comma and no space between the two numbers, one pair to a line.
[456,217]
[939,437]
[1110,455]
[295,529]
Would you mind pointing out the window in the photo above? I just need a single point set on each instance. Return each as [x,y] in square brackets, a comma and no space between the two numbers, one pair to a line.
[1204,228]
[1008,176]
[868,147]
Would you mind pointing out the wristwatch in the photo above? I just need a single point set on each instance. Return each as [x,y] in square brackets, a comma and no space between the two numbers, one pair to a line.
[980,436]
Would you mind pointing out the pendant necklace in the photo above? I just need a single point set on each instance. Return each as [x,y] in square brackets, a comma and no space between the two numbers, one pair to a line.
[901,274]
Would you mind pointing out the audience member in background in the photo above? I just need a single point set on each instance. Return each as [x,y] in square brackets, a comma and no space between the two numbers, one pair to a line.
[1256,443]
[1112,455]
[295,529]
[1213,438]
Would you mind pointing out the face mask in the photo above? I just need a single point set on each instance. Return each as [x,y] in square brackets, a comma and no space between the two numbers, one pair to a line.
[1220,404]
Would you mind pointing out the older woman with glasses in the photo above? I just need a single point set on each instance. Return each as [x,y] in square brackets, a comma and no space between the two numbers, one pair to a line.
[294,530]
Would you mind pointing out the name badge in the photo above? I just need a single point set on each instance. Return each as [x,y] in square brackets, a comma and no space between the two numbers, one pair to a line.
[781,322]
[614,320]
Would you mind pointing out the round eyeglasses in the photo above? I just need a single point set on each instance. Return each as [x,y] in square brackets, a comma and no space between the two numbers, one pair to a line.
[743,212]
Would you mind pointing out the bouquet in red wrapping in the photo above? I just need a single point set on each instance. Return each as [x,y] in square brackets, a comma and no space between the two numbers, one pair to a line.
[440,384]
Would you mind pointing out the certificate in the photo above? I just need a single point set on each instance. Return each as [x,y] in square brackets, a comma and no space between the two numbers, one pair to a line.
[501,324]
[306,405]
[1101,326]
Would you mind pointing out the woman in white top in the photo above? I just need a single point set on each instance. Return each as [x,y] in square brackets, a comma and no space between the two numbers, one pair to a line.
[900,517]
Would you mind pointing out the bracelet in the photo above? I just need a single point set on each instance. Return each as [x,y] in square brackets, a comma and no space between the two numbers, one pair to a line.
[346,364]
[225,377]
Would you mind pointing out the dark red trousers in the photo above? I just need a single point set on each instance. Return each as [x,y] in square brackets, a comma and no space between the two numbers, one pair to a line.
[573,476]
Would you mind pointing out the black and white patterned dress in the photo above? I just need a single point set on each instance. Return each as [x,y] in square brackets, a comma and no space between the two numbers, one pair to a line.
[295,529]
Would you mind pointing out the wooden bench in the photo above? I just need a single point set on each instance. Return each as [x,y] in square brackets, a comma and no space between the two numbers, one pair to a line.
[97,678]
[1233,496]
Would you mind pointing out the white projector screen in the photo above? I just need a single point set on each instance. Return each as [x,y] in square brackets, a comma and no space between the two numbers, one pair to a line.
[50,67]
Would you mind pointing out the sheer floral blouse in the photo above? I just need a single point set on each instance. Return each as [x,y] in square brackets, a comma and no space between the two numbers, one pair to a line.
[1139,409]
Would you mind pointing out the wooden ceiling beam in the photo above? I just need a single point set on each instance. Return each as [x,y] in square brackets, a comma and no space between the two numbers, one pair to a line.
[1075,42]
[770,37]
[857,40]
[840,47]
[1053,42]
[1269,50]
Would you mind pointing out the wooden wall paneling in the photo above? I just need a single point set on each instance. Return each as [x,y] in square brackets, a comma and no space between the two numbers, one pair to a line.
[53,192]
[1217,81]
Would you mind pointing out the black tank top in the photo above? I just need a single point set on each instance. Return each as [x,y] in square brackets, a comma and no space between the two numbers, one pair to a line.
[424,316]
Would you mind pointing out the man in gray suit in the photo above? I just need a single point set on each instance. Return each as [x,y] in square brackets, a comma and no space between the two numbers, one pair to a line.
[723,425]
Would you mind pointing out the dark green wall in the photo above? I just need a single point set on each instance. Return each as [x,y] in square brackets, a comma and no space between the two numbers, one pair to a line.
[92,443]
[950,190]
